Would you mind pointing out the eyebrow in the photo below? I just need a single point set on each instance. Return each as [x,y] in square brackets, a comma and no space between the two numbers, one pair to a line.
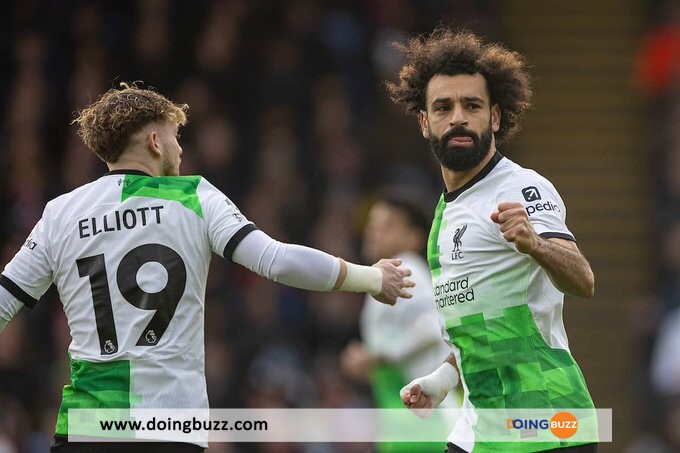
[463,98]
[473,99]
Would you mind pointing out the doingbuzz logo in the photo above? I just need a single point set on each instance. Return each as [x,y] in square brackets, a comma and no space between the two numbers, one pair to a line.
[563,425]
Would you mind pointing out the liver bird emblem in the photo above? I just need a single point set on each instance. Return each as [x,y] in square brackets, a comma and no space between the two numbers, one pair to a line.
[457,237]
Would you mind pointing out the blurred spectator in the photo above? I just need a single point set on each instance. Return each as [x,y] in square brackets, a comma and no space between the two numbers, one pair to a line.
[657,78]
[658,63]
[407,340]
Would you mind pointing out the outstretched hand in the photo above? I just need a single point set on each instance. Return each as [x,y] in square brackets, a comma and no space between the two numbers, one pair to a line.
[394,281]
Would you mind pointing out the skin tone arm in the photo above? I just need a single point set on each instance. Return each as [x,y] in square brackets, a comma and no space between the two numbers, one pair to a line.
[562,260]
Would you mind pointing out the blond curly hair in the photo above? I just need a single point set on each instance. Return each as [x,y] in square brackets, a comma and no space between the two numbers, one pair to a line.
[107,124]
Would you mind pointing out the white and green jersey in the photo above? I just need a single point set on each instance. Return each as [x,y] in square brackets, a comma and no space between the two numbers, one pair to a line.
[503,314]
[129,254]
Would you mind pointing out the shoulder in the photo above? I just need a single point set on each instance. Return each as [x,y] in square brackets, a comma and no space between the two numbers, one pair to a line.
[81,195]
[212,195]
[523,183]
[512,172]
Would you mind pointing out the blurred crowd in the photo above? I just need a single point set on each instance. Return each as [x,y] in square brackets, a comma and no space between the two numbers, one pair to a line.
[657,324]
[288,117]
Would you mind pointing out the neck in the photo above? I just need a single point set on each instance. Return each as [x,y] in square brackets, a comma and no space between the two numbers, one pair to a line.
[135,164]
[454,180]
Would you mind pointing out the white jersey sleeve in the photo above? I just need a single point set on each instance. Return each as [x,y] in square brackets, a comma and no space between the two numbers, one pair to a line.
[545,208]
[226,225]
[291,264]
[29,274]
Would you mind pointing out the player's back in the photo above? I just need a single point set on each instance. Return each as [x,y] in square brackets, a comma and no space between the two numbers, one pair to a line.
[127,251]
[129,254]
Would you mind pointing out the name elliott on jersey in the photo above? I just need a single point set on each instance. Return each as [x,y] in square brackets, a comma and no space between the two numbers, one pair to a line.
[119,220]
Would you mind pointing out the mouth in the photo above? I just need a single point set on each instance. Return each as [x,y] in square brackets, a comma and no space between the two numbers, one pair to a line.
[460,141]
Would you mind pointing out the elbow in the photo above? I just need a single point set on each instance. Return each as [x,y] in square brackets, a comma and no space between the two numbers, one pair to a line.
[588,290]
[584,288]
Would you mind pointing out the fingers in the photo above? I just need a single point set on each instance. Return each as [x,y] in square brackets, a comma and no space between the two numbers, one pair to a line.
[416,401]
[415,392]
[513,223]
[405,396]
[504,206]
[409,283]
[405,295]
[406,272]
[506,211]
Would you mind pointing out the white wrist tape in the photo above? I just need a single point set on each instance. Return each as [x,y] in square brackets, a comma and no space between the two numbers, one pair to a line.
[447,375]
[437,384]
[362,279]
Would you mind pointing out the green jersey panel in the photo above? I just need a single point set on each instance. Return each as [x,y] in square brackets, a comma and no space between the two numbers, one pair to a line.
[503,314]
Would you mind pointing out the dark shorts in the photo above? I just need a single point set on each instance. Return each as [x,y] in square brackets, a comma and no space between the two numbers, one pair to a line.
[588,448]
[62,445]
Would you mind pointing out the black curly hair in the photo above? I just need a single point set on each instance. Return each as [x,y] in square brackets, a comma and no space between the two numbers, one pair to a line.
[451,52]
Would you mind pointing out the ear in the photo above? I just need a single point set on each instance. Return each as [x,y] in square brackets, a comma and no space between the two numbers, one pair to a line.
[424,126]
[495,117]
[152,144]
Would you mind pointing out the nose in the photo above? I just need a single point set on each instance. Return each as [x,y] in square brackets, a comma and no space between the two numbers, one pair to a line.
[458,117]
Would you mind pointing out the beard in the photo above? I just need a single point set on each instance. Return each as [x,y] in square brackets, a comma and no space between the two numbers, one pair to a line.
[169,167]
[457,158]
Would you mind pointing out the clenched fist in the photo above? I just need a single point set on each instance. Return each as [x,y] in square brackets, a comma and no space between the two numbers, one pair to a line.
[516,227]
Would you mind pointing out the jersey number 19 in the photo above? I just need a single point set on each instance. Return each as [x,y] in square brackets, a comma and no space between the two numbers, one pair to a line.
[164,301]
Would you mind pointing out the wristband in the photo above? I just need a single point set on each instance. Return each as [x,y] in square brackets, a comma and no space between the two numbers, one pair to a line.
[362,279]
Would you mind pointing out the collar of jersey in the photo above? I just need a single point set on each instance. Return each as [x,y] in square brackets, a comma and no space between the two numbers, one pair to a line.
[128,172]
[450,196]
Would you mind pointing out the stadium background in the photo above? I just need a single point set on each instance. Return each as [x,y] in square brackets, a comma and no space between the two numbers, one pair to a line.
[289,118]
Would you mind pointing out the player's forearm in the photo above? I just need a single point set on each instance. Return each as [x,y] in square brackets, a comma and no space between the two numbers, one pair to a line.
[568,269]
[304,267]
[9,306]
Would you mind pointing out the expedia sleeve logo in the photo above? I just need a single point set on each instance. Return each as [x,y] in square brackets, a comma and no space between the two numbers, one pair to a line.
[531,193]
[547,206]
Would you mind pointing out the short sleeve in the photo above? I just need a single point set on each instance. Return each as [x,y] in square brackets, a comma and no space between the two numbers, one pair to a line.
[545,208]
[30,273]
[226,225]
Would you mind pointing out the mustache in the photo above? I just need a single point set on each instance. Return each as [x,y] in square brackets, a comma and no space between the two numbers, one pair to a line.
[459,131]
